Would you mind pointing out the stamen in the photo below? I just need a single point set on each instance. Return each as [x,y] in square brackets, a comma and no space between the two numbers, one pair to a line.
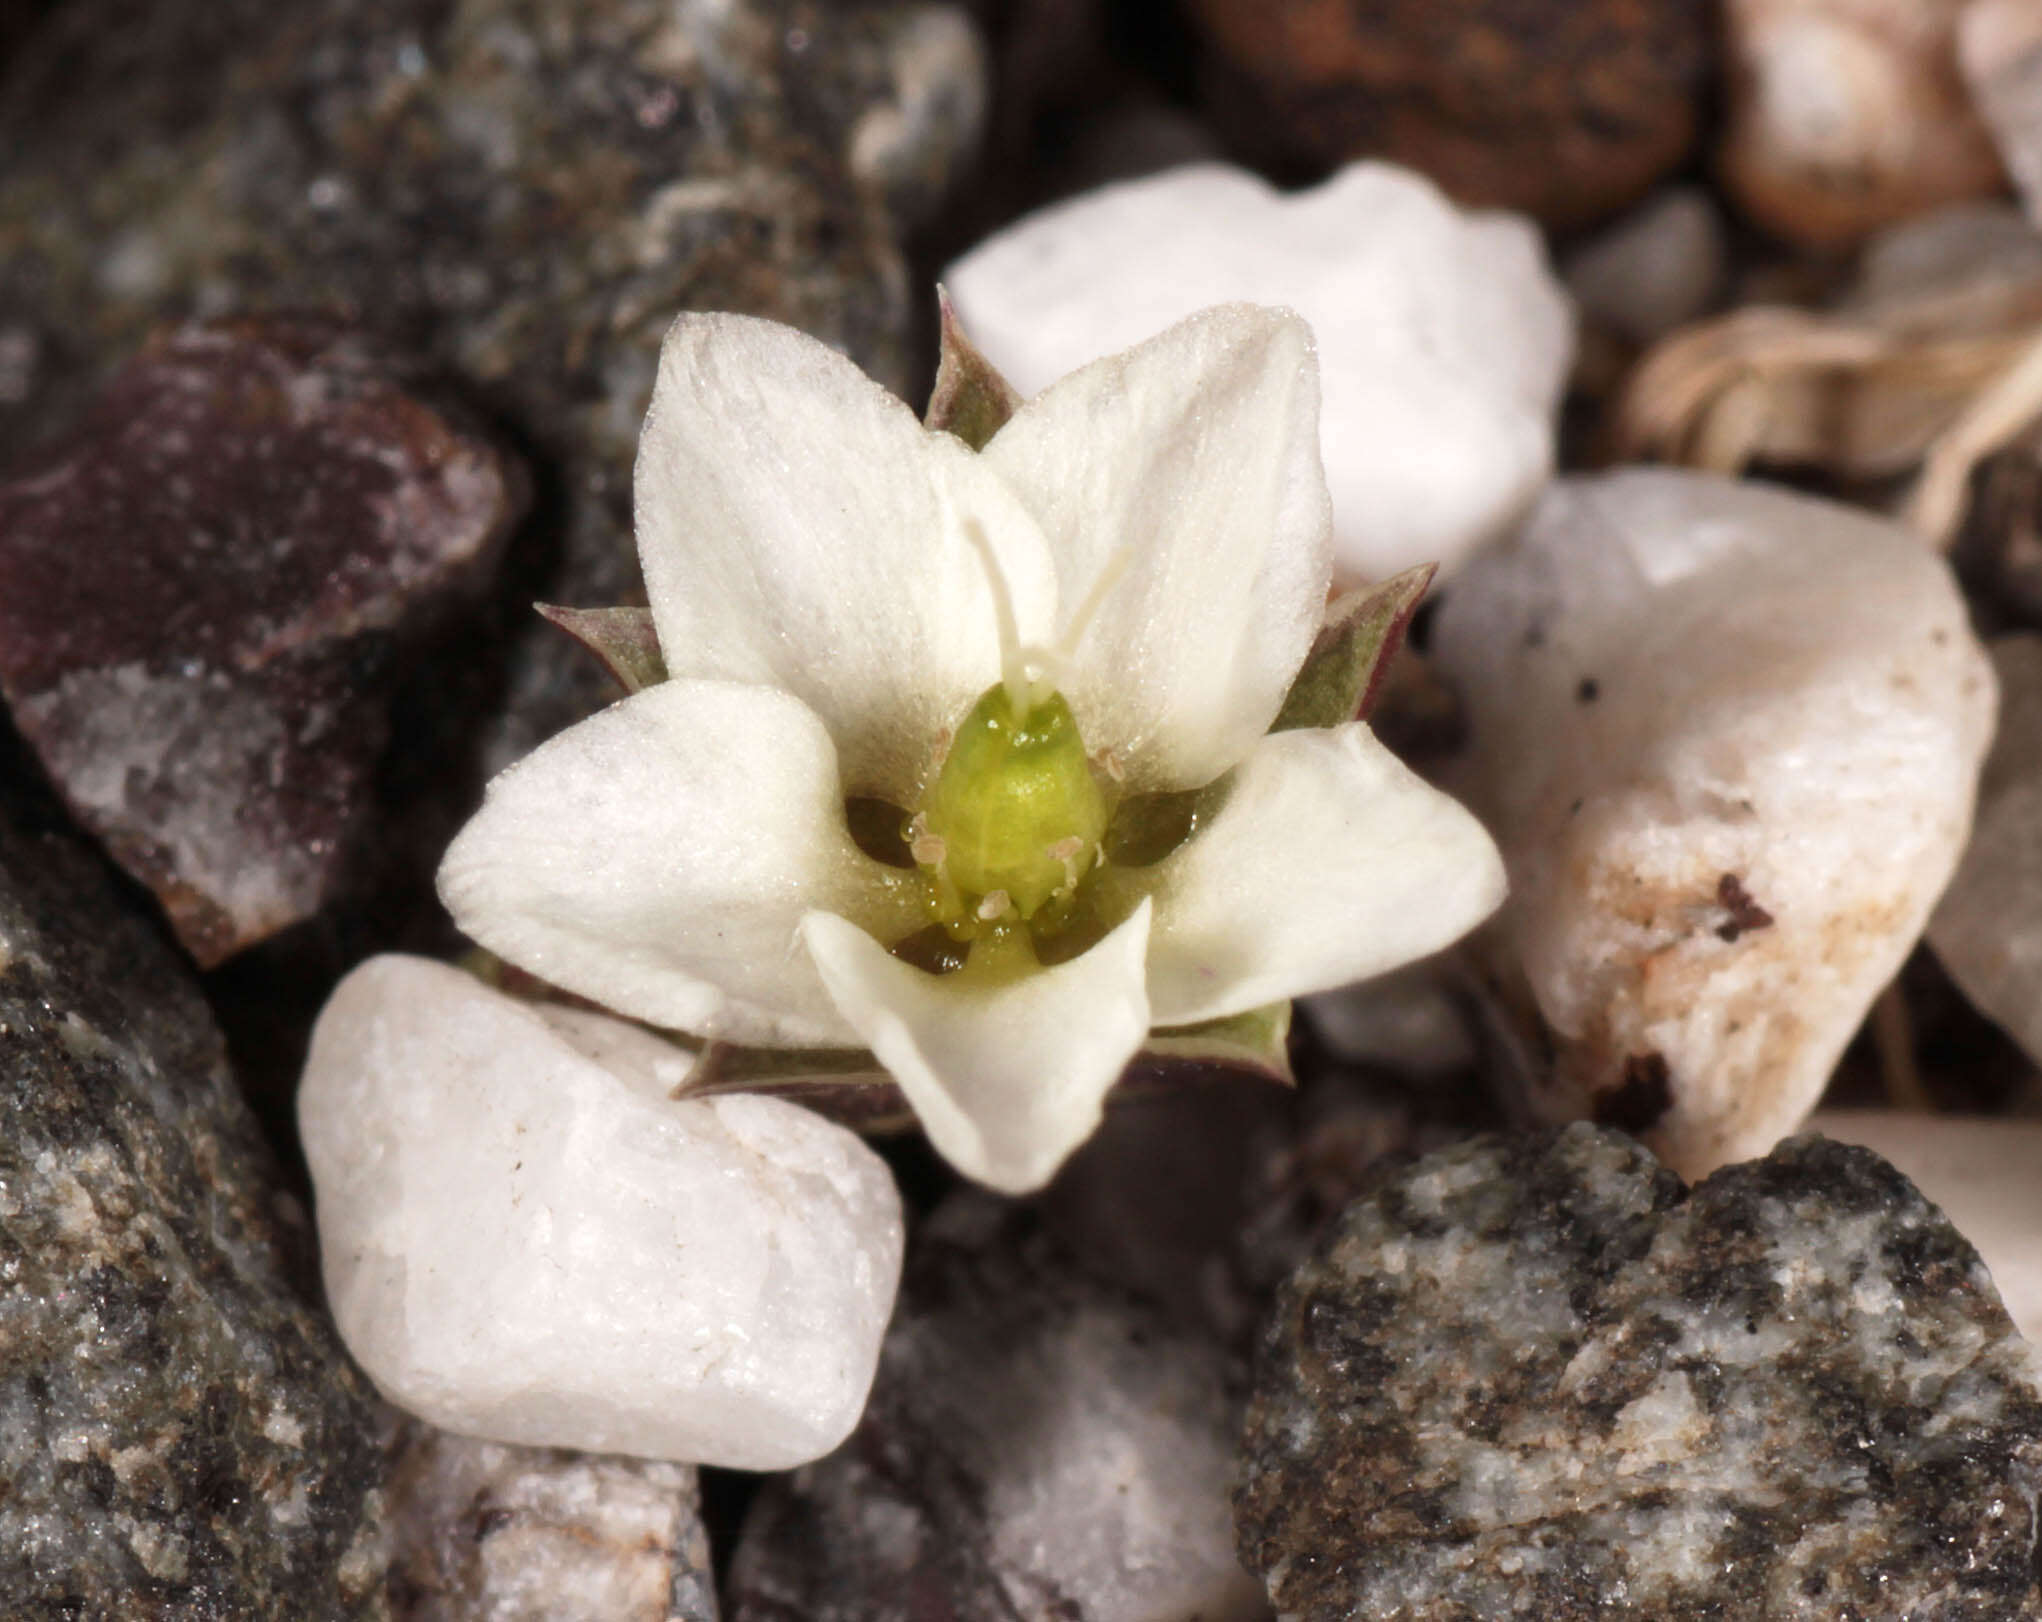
[997,904]
[1013,671]
[1109,577]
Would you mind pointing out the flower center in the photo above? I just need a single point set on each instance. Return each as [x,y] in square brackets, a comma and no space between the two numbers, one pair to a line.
[1015,816]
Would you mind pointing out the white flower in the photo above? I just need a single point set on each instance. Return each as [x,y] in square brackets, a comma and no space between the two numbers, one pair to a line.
[1130,571]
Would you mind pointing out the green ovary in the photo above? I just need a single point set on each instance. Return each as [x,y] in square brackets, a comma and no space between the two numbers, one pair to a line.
[1015,811]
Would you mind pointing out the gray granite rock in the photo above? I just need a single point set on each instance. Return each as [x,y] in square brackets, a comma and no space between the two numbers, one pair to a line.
[529,189]
[1036,1445]
[180,1434]
[1540,1378]
[484,1533]
[206,591]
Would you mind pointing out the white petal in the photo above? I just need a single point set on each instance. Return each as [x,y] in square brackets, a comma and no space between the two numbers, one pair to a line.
[658,858]
[1443,337]
[798,527]
[1006,1081]
[1198,452]
[1330,862]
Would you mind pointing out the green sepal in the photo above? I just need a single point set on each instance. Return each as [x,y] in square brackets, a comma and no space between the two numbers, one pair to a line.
[622,638]
[1257,1042]
[844,1085]
[1342,676]
[848,1086]
[971,399]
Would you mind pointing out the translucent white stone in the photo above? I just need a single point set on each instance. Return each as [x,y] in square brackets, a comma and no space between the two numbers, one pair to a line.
[1727,739]
[526,1240]
[1987,929]
[1986,1174]
[1444,340]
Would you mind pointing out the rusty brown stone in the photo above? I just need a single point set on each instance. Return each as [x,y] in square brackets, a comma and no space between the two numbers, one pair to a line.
[1844,116]
[1567,109]
[205,590]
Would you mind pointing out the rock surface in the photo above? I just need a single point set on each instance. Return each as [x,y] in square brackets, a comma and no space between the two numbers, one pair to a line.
[180,1434]
[484,1533]
[530,189]
[1412,1021]
[1727,739]
[1659,267]
[1443,338]
[1982,1171]
[1538,1378]
[1568,109]
[1987,929]
[1036,1446]
[202,590]
[1999,48]
[526,1239]
[1846,115]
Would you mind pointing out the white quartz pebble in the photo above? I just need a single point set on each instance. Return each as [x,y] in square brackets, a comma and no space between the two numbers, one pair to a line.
[1727,738]
[1444,340]
[526,1241]
[1987,930]
[1986,1174]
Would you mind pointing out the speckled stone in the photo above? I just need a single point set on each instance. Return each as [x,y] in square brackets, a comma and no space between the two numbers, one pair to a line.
[485,1533]
[528,189]
[180,1435]
[205,588]
[1539,1378]
[1036,1445]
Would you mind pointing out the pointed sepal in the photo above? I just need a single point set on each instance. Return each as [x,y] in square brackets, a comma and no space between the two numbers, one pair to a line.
[622,638]
[1255,1043]
[971,399]
[844,1085]
[1342,676]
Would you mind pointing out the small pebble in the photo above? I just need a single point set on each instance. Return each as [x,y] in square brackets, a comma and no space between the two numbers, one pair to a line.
[1987,929]
[1847,115]
[1037,1446]
[1727,739]
[526,1240]
[1538,1378]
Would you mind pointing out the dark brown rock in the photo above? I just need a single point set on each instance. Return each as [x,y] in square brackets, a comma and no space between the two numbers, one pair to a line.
[201,590]
[527,190]
[1567,109]
[180,1434]
[1999,549]
[1539,1378]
